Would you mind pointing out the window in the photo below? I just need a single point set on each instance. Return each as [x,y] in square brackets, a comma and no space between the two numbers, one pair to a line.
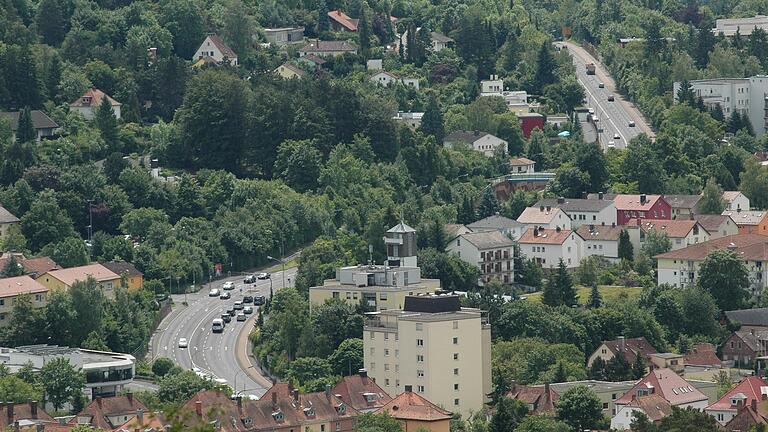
[373,366]
[383,296]
[419,342]
[455,371]
[605,405]
[419,358]
[386,382]
[372,335]
[386,352]
[455,325]
[2,302]
[386,367]
[420,373]
[354,295]
[419,326]
[397,353]
[455,356]
[458,241]
[338,426]
[386,336]
[322,428]
[373,350]
[349,295]
[39,297]
[397,368]
[455,341]
[335,294]
[420,389]
[456,387]
[456,402]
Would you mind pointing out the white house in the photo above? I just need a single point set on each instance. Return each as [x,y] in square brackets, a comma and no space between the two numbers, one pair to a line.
[736,201]
[653,406]
[321,48]
[440,41]
[548,246]
[681,232]
[583,211]
[521,165]
[387,79]
[493,85]
[509,227]
[214,47]
[478,141]
[545,217]
[750,390]
[717,225]
[284,36]
[44,126]
[87,104]
[601,240]
[411,119]
[492,252]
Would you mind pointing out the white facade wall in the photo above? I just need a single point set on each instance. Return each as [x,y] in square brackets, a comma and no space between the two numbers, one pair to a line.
[464,250]
[624,416]
[560,220]
[606,216]
[492,86]
[609,249]
[741,202]
[487,145]
[722,416]
[548,255]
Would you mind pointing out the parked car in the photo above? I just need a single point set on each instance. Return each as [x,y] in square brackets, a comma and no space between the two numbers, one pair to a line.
[601,85]
[263,276]
[248,299]
[225,296]
[631,124]
[183,343]
[214,292]
[249,279]
[247,310]
[241,316]
[228,286]
[259,300]
[238,305]
[611,98]
[226,317]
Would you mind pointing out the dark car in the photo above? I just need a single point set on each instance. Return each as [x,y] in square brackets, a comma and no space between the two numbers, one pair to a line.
[259,300]
[249,279]
[611,98]
[248,299]
[231,312]
[226,317]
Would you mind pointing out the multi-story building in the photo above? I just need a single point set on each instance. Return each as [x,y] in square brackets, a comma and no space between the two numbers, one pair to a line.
[548,246]
[434,345]
[400,241]
[545,216]
[735,201]
[509,227]
[717,225]
[583,211]
[751,389]
[640,206]
[14,287]
[750,222]
[683,206]
[747,96]
[65,278]
[745,26]
[601,240]
[491,251]
[681,232]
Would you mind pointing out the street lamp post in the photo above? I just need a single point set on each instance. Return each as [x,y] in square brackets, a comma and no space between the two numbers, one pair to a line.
[281,261]
[238,374]
[90,222]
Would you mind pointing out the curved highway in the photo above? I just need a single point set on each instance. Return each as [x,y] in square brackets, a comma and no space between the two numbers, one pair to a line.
[220,355]
[614,116]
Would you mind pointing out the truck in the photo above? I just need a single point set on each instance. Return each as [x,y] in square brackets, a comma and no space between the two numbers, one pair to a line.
[590,68]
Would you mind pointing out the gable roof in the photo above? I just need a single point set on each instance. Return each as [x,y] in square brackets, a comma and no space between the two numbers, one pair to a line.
[667,384]
[452,230]
[293,406]
[219,43]
[495,222]
[439,37]
[535,215]
[674,228]
[752,339]
[73,274]
[13,286]
[599,232]
[545,236]
[95,96]
[354,389]
[752,247]
[575,205]
[32,266]
[632,202]
[653,405]
[320,46]
[39,120]
[542,398]
[122,268]
[630,347]
[521,161]
[488,239]
[746,217]
[7,217]
[343,20]
[729,196]
[314,59]
[462,136]
[22,411]
[412,406]
[745,419]
[751,387]
[292,68]
[103,407]
[711,223]
[702,354]
[683,201]
[401,227]
[757,317]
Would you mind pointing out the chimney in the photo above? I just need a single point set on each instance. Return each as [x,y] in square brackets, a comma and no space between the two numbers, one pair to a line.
[643,198]
[561,200]
[363,373]
[129,395]
[408,388]
[599,195]
[591,228]
[274,398]
[613,224]
[754,405]
[477,132]
[549,208]
[535,232]
[199,408]
[327,390]
[584,195]
[98,401]
[10,411]
[295,395]
[541,208]
[33,409]
[622,343]
[140,416]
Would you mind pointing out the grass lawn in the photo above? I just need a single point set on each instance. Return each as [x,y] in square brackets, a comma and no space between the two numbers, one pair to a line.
[607,292]
[279,267]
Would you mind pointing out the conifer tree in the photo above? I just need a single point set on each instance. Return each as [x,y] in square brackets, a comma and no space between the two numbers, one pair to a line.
[551,295]
[489,205]
[567,290]
[364,31]
[50,22]
[595,300]
[106,122]
[625,246]
[322,17]
[638,367]
[432,121]
[26,130]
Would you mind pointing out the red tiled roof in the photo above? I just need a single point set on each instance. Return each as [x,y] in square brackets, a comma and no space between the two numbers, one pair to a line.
[752,387]
[702,354]
[101,408]
[753,247]
[546,236]
[666,384]
[73,274]
[412,406]
[745,419]
[226,51]
[22,411]
[95,96]
[344,20]
[654,406]
[675,228]
[631,347]
[324,407]
[521,162]
[354,389]
[632,202]
[542,398]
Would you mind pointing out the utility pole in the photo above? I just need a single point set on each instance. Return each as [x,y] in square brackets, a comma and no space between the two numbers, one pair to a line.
[90,223]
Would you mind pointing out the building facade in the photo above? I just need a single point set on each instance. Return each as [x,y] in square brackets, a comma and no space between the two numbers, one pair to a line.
[545,216]
[284,36]
[87,104]
[548,246]
[491,251]
[601,240]
[14,287]
[106,279]
[583,211]
[750,221]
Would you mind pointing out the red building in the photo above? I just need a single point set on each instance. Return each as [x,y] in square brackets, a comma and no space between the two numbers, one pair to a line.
[641,206]
[529,122]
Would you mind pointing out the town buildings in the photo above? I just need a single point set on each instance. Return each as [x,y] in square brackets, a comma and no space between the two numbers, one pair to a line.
[681,232]
[521,165]
[44,126]
[653,406]
[434,345]
[736,201]
[108,413]
[361,392]
[12,288]
[341,22]
[717,225]
[744,26]
[491,251]
[214,48]
[322,48]
[284,35]
[640,206]
[290,71]
[742,347]
[601,240]
[415,412]
[548,246]
[683,206]
[133,278]
[545,216]
[7,220]
[87,104]
[509,227]
[106,279]
[750,390]
[750,222]
[539,400]
[583,211]
[476,140]
[628,348]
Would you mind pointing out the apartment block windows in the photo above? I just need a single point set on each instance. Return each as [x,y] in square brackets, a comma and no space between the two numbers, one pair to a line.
[455,341]
[455,325]
[420,342]
[420,373]
[419,326]
[419,358]
[420,389]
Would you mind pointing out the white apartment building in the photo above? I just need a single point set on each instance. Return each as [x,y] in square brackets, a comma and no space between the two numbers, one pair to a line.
[747,96]
[493,86]
[548,246]
[583,211]
[545,216]
[491,251]
[601,240]
[745,26]
[434,345]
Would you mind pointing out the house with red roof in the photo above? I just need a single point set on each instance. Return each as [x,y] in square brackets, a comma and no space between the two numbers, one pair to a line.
[748,417]
[548,246]
[751,390]
[415,412]
[28,412]
[108,413]
[681,232]
[215,48]
[629,348]
[361,392]
[640,206]
[669,385]
[702,354]
[341,22]
[87,104]
[653,406]
[538,399]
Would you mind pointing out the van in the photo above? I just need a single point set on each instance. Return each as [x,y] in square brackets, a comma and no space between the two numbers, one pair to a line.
[218,325]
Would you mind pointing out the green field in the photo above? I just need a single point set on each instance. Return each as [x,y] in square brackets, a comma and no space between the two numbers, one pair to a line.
[608,292]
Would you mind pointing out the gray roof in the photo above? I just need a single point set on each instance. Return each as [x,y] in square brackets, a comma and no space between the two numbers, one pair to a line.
[467,137]
[439,37]
[496,222]
[749,317]
[711,223]
[401,228]
[325,46]
[580,205]
[682,201]
[39,120]
[488,240]
[7,217]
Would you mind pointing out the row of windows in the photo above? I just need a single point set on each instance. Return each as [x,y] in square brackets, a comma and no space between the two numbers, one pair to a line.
[38,298]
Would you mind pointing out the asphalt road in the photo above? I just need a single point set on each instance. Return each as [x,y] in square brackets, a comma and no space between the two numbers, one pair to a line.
[214,353]
[614,117]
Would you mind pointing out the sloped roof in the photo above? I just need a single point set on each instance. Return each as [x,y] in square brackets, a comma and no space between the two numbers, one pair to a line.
[103,407]
[674,228]
[73,274]
[495,222]
[7,217]
[353,390]
[757,317]
[226,51]
[683,201]
[467,137]
[600,232]
[711,223]
[653,405]
[630,347]
[745,419]
[729,196]
[122,268]
[13,286]
[702,354]
[294,69]
[439,37]
[325,408]
[746,217]
[751,387]
[752,247]
[535,215]
[401,227]
[632,202]
[343,19]
[39,120]
[23,411]
[314,59]
[412,406]
[488,239]
[575,205]
[667,384]
[543,398]
[452,230]
[95,96]
[320,46]
[546,236]
[752,338]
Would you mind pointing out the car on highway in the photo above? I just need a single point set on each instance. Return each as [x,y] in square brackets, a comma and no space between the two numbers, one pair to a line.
[611,98]
[250,279]
[228,285]
[262,276]
[248,299]
[600,85]
[259,300]
[217,325]
[214,292]
[238,305]
[226,317]
[231,311]
[631,124]
[611,144]
[599,129]
[225,296]
[241,316]
[183,343]
[595,118]
[247,310]
[616,136]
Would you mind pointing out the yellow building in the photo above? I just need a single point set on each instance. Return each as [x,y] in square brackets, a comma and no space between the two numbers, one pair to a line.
[129,275]
[380,287]
[289,71]
[13,287]
[441,350]
[65,278]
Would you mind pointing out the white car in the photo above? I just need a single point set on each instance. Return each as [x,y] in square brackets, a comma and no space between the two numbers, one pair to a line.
[247,310]
[214,292]
[183,343]
[262,276]
[611,144]
[228,286]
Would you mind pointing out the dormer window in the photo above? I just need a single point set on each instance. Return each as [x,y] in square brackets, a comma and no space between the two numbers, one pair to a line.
[247,421]
[278,416]
[341,409]
[370,397]
[309,412]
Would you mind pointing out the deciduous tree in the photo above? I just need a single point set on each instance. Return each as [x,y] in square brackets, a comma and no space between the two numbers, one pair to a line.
[724,274]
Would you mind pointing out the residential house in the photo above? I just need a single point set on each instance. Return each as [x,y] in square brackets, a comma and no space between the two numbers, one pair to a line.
[440,41]
[134,279]
[374,65]
[476,140]
[521,165]
[750,389]
[743,346]
[583,211]
[509,227]
[668,385]
[673,361]
[64,278]
[32,267]
[284,36]
[415,412]
[7,219]
[341,22]
[545,216]
[492,86]
[654,406]
[735,201]
[387,79]
[548,246]
[717,225]
[454,230]
[320,48]
[311,60]
[23,413]
[606,391]
[749,319]
[87,104]
[491,251]
[681,232]
[107,413]
[361,392]
[702,354]
[601,240]
[214,47]
[539,400]
[640,206]
[629,348]
[44,126]
[748,418]
[680,267]
[290,71]
[440,348]
[750,222]
[13,287]
[683,206]
[143,421]
[530,121]
[728,27]
[410,119]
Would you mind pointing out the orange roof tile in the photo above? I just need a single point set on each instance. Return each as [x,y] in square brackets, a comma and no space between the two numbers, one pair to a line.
[632,202]
[412,406]
[93,99]
[13,286]
[675,228]
[654,406]
[357,390]
[22,411]
[343,19]
[545,236]
[666,384]
[73,274]
[100,409]
[752,388]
